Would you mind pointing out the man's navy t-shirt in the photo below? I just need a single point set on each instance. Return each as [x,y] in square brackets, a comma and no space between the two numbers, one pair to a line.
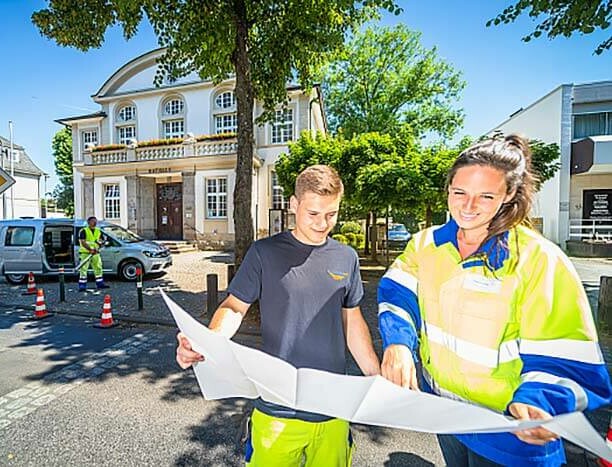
[301,290]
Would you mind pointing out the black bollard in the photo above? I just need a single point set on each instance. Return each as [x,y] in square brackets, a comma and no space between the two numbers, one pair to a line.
[62,285]
[139,287]
[212,293]
[231,270]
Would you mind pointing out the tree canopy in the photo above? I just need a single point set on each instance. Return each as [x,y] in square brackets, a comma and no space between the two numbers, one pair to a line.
[61,148]
[385,79]
[561,18]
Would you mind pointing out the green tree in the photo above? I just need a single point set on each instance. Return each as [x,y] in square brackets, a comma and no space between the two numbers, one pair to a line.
[561,18]
[545,160]
[61,148]
[385,79]
[265,44]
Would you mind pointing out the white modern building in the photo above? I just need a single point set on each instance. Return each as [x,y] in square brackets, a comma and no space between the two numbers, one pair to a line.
[576,204]
[161,160]
[23,198]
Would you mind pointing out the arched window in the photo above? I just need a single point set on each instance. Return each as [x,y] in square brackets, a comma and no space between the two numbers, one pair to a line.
[125,123]
[173,117]
[224,113]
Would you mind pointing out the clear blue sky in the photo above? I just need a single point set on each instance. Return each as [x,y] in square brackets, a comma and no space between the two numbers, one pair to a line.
[41,82]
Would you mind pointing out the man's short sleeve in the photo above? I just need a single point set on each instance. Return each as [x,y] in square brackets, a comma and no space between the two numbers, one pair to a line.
[354,292]
[246,285]
[82,234]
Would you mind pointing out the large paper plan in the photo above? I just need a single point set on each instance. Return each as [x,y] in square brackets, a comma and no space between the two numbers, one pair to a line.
[233,370]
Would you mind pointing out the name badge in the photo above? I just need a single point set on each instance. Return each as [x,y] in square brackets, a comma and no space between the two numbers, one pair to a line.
[482,284]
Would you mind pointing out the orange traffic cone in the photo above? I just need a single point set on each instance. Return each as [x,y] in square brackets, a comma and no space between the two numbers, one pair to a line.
[40,310]
[31,290]
[603,462]
[106,320]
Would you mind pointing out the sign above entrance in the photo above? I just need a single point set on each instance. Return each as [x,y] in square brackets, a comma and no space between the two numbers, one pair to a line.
[160,170]
[6,181]
[597,204]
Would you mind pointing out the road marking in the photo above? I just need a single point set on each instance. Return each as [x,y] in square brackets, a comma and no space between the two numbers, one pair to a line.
[25,400]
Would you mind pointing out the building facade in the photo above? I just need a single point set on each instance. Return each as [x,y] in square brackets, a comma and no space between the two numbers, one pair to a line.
[23,198]
[161,160]
[577,202]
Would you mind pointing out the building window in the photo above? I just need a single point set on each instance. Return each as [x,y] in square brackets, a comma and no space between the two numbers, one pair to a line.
[19,236]
[89,137]
[225,100]
[126,133]
[127,113]
[227,123]
[278,197]
[112,201]
[173,118]
[174,107]
[595,124]
[216,197]
[282,126]
[226,119]
[126,124]
[174,128]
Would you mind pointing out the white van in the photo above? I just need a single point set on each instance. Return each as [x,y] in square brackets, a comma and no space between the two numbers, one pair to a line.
[42,246]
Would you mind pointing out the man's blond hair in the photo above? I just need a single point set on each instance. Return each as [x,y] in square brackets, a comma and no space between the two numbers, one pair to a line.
[322,180]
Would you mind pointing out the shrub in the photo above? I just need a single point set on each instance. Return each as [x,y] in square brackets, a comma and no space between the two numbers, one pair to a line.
[350,237]
[340,238]
[360,241]
[350,227]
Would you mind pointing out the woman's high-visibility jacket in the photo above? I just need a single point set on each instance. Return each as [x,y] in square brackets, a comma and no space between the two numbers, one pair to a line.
[509,324]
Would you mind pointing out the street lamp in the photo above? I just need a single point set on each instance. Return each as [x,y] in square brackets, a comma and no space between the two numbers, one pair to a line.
[12,169]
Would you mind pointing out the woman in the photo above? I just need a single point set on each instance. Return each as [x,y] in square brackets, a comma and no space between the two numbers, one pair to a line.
[496,312]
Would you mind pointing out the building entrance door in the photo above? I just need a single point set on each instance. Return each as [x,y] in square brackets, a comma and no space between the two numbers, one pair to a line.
[170,211]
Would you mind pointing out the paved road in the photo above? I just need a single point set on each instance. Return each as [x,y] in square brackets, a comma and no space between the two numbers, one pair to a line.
[74,395]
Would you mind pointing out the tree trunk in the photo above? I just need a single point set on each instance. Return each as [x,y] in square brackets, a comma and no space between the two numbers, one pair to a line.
[374,238]
[428,216]
[366,245]
[243,221]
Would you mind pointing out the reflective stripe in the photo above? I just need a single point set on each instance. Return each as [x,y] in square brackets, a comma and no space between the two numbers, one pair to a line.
[475,353]
[441,391]
[570,349]
[396,310]
[106,315]
[542,377]
[402,278]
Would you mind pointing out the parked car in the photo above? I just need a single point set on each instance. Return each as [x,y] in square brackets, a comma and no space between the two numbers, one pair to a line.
[398,235]
[42,246]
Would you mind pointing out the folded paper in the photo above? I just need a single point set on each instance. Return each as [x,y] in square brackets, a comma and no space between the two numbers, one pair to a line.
[233,370]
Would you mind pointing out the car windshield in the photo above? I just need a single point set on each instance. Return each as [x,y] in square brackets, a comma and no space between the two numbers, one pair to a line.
[398,228]
[121,234]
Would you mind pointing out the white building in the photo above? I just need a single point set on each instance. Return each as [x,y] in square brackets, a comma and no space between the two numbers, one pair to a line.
[575,203]
[182,188]
[24,200]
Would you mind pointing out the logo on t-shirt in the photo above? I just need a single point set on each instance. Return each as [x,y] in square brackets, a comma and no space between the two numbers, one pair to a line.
[337,276]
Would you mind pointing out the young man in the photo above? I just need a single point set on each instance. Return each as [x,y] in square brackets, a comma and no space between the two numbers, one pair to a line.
[309,289]
[90,241]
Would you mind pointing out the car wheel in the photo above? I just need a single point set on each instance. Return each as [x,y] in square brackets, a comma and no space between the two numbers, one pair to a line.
[128,268]
[16,278]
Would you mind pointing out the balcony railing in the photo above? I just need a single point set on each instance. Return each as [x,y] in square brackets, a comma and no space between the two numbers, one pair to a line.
[162,152]
[207,148]
[591,229]
[109,157]
[155,153]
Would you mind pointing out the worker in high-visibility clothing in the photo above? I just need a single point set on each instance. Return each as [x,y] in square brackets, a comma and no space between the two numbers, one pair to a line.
[90,241]
[495,312]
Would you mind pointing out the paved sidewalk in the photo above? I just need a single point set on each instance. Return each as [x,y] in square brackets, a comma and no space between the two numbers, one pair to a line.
[184,282]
